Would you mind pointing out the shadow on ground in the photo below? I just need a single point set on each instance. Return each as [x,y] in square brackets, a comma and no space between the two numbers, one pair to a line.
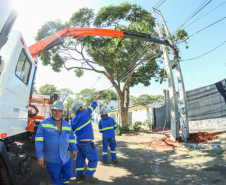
[141,164]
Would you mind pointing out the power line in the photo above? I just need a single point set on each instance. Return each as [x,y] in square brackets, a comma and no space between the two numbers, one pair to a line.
[160,3]
[205,14]
[201,30]
[205,53]
[192,16]
[96,81]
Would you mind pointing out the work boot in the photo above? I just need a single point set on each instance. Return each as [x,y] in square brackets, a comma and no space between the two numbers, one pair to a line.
[104,161]
[115,161]
[91,179]
[80,178]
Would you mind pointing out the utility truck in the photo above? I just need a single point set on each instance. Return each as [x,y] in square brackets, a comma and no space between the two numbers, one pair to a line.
[19,116]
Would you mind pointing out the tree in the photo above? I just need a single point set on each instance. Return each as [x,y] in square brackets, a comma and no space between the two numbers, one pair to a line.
[47,89]
[64,93]
[124,62]
[86,96]
[68,105]
[35,91]
[145,99]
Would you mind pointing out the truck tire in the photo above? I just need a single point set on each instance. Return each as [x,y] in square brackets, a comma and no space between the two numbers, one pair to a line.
[5,177]
[32,111]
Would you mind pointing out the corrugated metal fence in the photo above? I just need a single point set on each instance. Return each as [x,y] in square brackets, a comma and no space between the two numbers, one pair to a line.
[207,102]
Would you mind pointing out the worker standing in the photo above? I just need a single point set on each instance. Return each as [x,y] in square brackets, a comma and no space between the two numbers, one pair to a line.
[107,126]
[82,126]
[54,136]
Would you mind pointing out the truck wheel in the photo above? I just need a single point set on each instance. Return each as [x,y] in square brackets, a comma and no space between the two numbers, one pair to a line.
[5,177]
[32,111]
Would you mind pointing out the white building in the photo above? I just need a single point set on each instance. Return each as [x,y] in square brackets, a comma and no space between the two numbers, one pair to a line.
[100,105]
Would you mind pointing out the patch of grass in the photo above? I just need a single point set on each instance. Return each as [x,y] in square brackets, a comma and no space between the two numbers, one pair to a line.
[168,151]
[213,152]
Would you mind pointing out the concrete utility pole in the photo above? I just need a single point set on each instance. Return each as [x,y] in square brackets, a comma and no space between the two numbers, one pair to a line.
[172,91]
[182,94]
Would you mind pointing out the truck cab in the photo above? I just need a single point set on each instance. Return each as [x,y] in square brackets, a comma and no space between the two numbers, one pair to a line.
[17,69]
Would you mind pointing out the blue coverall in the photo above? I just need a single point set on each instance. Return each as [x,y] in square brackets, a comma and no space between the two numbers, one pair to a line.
[82,126]
[55,147]
[107,126]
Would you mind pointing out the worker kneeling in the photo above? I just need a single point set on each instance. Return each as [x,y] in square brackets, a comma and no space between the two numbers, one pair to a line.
[54,136]
[107,126]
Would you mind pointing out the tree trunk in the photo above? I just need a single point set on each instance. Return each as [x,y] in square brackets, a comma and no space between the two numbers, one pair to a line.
[123,113]
[123,107]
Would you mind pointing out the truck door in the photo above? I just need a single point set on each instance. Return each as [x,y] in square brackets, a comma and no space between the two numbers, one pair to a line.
[17,70]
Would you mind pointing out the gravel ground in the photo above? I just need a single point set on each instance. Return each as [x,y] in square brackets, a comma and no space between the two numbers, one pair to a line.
[141,162]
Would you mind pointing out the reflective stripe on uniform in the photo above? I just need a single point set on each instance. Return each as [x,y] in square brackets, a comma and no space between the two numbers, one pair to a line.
[50,126]
[115,125]
[39,138]
[66,182]
[105,153]
[91,108]
[66,128]
[91,169]
[71,140]
[107,128]
[80,169]
[113,151]
[79,128]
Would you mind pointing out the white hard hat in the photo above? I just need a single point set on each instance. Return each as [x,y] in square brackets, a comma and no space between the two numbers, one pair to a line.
[76,107]
[57,105]
[103,112]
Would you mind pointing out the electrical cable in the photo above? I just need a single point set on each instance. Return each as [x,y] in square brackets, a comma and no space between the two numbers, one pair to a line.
[201,30]
[132,63]
[192,16]
[204,15]
[96,81]
[205,53]
[160,4]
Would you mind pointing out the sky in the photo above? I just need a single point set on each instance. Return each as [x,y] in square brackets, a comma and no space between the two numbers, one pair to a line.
[201,71]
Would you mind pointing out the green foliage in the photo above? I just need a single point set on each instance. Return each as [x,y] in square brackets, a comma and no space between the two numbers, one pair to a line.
[128,127]
[180,35]
[146,99]
[137,125]
[214,152]
[47,89]
[68,105]
[108,95]
[49,28]
[104,51]
[78,72]
[64,93]
[57,62]
[35,91]
[147,123]
[122,129]
[86,96]
[134,15]
[83,18]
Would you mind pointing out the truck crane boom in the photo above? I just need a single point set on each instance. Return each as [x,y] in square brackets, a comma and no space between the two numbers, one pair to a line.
[55,39]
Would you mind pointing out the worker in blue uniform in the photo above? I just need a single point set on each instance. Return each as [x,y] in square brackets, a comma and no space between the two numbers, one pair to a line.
[107,126]
[82,126]
[54,136]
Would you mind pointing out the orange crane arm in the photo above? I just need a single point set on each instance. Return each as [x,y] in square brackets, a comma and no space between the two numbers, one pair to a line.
[55,39]
[38,48]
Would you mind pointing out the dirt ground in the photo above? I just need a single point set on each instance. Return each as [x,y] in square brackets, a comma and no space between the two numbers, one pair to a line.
[152,158]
